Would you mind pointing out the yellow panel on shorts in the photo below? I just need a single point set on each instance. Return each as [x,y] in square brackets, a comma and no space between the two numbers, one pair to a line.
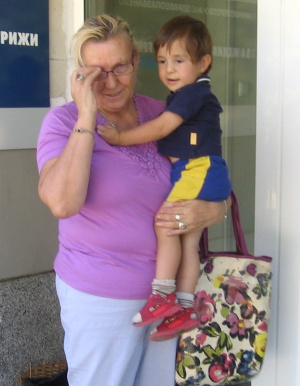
[191,181]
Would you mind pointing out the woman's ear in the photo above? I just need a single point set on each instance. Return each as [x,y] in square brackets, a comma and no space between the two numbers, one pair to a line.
[205,63]
[136,59]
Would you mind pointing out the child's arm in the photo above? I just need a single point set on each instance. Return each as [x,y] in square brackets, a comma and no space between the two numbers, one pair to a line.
[147,132]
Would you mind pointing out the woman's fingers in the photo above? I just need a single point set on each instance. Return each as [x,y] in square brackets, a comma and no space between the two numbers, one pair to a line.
[86,74]
[194,214]
[83,82]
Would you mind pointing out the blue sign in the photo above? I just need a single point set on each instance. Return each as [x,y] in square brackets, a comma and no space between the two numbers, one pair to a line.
[24,53]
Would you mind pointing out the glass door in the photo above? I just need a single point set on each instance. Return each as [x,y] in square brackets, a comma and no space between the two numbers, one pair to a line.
[233,25]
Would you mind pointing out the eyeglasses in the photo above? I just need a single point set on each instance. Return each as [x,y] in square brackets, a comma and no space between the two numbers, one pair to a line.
[123,69]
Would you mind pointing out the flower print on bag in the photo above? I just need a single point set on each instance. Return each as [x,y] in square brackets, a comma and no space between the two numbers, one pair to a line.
[238,327]
[222,368]
[226,314]
[186,360]
[246,360]
[232,302]
[260,344]
[263,285]
[247,309]
[235,289]
[205,307]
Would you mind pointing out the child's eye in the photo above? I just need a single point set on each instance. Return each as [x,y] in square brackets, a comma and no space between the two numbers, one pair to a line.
[179,61]
[161,61]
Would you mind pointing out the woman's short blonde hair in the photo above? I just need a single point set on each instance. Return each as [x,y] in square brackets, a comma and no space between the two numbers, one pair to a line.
[100,28]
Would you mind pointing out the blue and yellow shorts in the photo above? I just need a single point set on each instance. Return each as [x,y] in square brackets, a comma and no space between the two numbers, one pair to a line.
[204,178]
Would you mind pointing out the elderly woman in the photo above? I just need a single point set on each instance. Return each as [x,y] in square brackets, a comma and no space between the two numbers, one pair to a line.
[106,199]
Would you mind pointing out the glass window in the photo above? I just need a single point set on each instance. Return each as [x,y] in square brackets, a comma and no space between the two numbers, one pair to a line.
[233,26]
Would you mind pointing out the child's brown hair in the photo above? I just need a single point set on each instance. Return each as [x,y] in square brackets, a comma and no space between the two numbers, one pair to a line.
[193,31]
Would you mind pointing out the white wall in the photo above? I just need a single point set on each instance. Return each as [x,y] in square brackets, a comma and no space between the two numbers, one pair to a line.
[289,282]
[66,16]
[277,182]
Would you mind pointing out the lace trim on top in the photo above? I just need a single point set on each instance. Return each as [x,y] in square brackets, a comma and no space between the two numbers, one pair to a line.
[145,154]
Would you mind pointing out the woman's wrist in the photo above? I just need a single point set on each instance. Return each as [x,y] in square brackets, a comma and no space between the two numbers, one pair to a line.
[80,130]
[86,124]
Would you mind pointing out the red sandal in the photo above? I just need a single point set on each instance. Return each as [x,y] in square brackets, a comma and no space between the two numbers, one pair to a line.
[172,326]
[157,307]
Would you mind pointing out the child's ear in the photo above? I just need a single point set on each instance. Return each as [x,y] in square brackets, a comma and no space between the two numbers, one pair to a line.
[205,62]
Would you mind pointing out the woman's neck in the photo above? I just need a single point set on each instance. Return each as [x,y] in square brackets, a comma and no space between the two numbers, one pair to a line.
[124,119]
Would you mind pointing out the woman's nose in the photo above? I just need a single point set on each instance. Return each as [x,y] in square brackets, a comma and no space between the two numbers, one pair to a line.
[111,80]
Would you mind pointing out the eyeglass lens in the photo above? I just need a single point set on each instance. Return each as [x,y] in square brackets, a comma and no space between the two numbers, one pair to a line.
[124,69]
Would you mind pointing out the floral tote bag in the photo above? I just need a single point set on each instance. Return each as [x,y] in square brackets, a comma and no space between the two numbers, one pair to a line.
[232,302]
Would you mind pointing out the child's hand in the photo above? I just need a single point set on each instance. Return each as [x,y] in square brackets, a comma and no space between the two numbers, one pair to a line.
[109,133]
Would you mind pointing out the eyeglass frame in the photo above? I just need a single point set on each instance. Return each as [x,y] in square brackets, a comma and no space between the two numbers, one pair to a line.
[105,73]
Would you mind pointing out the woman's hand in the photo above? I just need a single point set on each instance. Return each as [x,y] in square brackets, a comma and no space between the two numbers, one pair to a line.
[64,179]
[195,214]
[83,85]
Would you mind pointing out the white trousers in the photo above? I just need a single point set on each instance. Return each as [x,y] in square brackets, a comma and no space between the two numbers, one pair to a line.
[102,346]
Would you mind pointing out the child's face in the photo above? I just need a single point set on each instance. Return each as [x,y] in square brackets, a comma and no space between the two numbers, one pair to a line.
[175,66]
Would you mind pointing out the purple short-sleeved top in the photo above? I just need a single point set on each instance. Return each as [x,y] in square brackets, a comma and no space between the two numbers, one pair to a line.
[109,248]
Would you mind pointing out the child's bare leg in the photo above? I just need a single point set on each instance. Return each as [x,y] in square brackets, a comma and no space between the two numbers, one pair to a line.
[163,301]
[189,269]
[187,277]
[168,254]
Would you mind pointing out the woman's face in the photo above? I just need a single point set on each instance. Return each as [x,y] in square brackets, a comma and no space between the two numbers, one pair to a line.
[113,93]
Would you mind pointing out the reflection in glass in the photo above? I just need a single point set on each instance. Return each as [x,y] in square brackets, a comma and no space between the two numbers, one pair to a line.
[233,25]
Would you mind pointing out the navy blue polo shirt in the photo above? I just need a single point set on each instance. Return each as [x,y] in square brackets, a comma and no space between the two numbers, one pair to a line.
[200,110]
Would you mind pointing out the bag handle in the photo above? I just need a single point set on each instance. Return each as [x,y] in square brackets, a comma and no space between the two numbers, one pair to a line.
[241,245]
